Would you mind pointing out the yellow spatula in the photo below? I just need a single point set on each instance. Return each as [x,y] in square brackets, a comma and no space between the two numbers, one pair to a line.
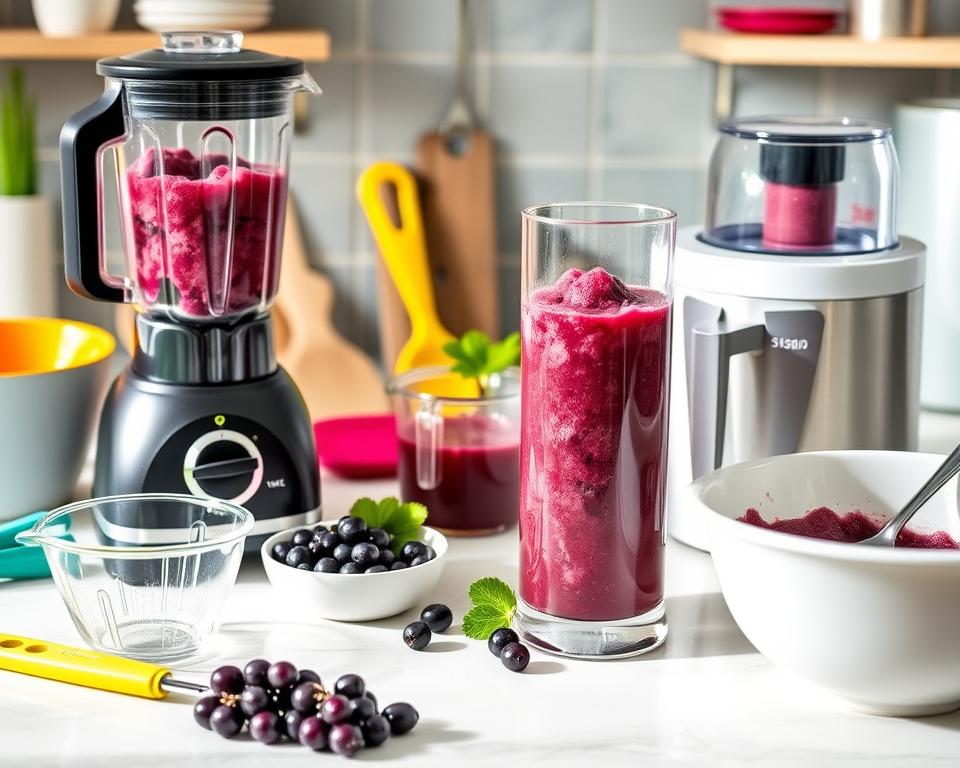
[93,669]
[404,251]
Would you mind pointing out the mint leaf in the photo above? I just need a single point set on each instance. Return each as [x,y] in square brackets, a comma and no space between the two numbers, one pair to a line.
[482,620]
[401,521]
[503,354]
[494,605]
[493,591]
[475,356]
[405,525]
[367,509]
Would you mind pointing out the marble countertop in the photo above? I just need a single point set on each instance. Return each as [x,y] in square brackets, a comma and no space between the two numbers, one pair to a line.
[705,698]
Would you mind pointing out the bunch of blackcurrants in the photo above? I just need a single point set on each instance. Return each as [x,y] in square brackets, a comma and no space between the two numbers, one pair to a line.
[348,547]
[278,701]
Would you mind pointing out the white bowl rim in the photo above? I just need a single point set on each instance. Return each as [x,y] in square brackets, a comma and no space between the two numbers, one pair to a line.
[273,539]
[833,550]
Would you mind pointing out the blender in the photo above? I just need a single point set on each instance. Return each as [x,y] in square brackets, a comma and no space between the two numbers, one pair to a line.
[798,307]
[200,130]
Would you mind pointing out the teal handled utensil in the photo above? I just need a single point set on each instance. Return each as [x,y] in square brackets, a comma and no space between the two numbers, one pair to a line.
[23,562]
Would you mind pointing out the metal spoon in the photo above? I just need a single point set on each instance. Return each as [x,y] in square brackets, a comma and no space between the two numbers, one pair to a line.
[887,536]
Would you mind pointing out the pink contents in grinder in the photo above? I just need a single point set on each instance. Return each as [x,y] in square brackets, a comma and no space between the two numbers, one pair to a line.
[219,259]
[593,447]
[800,193]
[824,523]
[797,216]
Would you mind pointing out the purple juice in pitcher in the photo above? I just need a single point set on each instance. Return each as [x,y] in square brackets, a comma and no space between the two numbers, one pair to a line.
[478,475]
[593,447]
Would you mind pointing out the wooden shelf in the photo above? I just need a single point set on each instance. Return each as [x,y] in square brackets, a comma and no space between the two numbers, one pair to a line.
[821,50]
[29,44]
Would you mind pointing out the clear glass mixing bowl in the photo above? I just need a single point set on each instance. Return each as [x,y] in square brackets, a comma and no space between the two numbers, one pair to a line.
[146,574]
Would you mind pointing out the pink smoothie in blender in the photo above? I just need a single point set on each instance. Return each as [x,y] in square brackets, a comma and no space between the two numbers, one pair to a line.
[593,447]
[213,231]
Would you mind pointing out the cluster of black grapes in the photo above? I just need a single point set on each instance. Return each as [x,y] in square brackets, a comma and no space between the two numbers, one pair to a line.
[277,701]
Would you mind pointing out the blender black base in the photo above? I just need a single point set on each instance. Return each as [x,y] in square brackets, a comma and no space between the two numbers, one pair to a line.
[250,442]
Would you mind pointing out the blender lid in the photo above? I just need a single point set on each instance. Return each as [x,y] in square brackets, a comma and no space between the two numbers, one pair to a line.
[200,56]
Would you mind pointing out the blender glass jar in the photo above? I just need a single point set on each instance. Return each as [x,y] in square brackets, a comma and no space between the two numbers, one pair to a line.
[201,132]
[801,185]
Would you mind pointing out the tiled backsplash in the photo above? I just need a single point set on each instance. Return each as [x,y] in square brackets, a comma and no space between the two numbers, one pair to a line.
[588,99]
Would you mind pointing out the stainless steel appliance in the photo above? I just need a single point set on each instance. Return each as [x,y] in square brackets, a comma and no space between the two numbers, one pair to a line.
[797,307]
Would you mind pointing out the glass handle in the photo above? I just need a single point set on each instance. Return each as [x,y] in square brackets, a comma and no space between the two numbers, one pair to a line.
[428,433]
[82,142]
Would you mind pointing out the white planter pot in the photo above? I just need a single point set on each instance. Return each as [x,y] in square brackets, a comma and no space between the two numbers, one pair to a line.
[28,285]
[71,18]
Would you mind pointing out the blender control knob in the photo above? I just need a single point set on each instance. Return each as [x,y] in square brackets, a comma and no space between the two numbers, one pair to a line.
[223,465]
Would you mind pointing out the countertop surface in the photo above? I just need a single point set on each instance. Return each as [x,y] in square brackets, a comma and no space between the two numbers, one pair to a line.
[705,698]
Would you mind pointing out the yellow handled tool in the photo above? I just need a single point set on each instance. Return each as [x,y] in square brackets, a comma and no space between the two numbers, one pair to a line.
[93,669]
[403,247]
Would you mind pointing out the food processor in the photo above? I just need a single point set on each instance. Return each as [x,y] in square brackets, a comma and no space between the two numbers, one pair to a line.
[200,130]
[798,308]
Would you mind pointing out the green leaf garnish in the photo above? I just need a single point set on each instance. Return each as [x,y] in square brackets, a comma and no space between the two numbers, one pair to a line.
[494,605]
[477,357]
[401,521]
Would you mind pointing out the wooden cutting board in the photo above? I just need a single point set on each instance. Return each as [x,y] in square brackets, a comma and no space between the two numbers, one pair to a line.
[335,377]
[457,200]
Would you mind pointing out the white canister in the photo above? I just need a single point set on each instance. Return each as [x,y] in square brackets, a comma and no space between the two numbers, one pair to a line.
[27,263]
[927,131]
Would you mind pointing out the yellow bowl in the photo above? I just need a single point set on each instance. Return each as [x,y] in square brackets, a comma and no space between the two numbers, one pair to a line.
[53,375]
[32,345]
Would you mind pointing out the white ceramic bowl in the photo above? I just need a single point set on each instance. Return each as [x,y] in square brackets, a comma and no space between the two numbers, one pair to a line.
[69,18]
[879,628]
[355,597]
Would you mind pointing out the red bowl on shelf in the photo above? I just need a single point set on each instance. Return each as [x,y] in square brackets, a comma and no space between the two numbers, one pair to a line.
[778,21]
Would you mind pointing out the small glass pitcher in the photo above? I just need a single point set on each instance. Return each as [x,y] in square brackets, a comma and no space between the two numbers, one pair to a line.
[459,456]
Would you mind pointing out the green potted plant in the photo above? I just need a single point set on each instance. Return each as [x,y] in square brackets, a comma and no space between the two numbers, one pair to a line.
[26,245]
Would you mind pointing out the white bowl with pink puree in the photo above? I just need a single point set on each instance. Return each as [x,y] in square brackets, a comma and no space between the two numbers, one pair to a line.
[879,628]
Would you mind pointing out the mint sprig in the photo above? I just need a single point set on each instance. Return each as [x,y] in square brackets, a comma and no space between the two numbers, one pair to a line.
[477,357]
[494,605]
[401,521]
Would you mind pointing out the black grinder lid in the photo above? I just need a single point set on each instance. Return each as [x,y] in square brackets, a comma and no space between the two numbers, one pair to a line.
[810,165]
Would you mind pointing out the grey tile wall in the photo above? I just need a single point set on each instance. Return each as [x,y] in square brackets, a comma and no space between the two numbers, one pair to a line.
[537,26]
[587,99]
[791,90]
[649,26]
[558,122]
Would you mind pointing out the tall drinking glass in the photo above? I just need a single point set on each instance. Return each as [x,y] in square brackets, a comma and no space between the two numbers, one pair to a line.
[597,286]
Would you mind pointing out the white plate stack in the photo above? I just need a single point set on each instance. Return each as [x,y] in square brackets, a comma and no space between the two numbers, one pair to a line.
[202,15]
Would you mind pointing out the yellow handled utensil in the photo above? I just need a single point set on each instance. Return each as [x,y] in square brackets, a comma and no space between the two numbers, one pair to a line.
[82,666]
[403,247]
